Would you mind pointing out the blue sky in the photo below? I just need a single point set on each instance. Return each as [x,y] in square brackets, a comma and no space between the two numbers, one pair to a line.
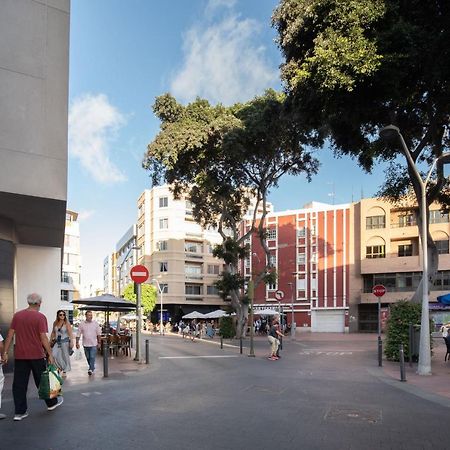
[123,55]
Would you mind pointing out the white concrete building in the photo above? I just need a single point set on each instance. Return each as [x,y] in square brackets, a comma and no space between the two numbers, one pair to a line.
[34,62]
[126,258]
[178,254]
[71,266]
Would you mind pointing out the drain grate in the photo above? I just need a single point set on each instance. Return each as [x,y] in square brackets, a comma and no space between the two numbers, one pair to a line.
[353,415]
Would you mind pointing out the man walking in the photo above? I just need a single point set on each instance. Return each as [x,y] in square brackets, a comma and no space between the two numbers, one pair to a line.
[274,333]
[91,332]
[30,328]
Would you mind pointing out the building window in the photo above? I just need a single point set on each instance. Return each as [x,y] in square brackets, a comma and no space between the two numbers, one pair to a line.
[163,202]
[438,217]
[271,233]
[272,260]
[212,290]
[189,207]
[272,287]
[407,220]
[193,289]
[375,251]
[141,209]
[164,288]
[442,247]
[163,223]
[301,258]
[405,250]
[162,245]
[373,222]
[209,248]
[213,269]
[163,266]
[193,270]
[193,247]
[301,232]
[64,296]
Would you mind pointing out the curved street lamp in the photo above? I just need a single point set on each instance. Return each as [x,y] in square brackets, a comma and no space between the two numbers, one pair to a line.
[424,365]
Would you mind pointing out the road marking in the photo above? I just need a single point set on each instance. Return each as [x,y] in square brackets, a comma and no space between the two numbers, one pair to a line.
[197,357]
[88,394]
[336,353]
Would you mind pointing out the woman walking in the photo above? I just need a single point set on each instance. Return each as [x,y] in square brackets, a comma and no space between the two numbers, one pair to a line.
[62,341]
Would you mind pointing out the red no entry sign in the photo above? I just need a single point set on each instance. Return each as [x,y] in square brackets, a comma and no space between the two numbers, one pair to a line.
[139,274]
[379,290]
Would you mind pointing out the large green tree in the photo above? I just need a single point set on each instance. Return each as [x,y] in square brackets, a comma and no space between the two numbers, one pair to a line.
[148,296]
[352,67]
[223,158]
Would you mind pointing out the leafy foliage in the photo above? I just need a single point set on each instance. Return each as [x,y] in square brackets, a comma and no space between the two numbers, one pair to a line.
[354,67]
[401,315]
[148,296]
[226,327]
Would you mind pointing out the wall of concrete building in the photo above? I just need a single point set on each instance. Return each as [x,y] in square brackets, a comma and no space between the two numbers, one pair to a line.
[38,270]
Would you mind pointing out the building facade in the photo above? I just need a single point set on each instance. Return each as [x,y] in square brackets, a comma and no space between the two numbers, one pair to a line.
[125,258]
[388,252]
[34,62]
[71,264]
[178,254]
[310,249]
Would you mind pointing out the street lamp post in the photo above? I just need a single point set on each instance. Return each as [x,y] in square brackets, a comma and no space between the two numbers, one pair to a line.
[161,299]
[424,365]
[251,294]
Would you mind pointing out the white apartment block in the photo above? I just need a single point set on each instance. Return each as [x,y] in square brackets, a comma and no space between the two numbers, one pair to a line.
[125,258]
[71,266]
[178,254]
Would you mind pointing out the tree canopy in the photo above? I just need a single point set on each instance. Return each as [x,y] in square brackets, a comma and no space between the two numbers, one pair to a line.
[224,158]
[353,67]
[148,296]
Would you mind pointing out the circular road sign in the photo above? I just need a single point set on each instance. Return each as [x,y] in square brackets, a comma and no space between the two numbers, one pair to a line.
[379,290]
[139,274]
[279,295]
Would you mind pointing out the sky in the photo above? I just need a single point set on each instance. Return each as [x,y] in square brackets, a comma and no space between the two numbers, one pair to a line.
[125,54]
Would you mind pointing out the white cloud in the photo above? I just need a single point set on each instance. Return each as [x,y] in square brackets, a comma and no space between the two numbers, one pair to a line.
[85,215]
[214,5]
[93,124]
[223,63]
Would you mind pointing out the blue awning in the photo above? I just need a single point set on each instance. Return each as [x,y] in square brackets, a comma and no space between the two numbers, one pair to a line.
[444,299]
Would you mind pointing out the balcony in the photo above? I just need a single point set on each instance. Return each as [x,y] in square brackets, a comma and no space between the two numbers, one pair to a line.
[392,263]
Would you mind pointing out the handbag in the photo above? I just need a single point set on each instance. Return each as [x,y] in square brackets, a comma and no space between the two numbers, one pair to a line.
[78,355]
[50,384]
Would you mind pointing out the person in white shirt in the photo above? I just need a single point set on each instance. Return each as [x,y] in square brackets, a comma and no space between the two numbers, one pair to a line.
[91,332]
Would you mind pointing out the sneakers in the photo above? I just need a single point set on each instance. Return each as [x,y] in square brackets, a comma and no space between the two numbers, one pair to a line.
[272,358]
[89,372]
[59,403]
[2,416]
[18,417]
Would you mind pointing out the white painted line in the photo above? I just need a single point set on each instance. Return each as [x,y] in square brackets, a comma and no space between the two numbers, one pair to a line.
[139,274]
[197,357]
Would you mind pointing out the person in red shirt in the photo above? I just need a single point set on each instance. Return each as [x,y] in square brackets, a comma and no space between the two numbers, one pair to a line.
[29,326]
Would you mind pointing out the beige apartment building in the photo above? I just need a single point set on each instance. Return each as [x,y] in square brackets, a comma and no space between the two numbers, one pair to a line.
[388,251]
[178,254]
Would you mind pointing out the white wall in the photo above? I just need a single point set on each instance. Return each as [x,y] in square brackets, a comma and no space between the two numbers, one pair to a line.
[38,270]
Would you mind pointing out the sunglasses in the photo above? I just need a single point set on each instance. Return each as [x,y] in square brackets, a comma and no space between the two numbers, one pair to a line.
[62,315]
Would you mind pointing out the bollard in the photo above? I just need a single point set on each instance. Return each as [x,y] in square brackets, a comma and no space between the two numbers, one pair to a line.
[105,359]
[380,352]
[402,364]
[221,341]
[147,352]
[240,345]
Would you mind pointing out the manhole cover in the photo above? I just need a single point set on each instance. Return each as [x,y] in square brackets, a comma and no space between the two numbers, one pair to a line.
[353,415]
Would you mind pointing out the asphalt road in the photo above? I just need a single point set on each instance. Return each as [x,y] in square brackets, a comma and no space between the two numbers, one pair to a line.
[320,395]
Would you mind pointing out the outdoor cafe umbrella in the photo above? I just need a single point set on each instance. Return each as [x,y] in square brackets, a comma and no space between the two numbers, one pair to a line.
[267,312]
[194,315]
[217,314]
[107,301]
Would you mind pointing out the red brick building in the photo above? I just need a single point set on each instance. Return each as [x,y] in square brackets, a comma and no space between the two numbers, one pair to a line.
[310,249]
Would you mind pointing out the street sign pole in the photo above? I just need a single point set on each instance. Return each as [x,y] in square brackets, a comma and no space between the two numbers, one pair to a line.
[138,290]
[139,274]
[379,290]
